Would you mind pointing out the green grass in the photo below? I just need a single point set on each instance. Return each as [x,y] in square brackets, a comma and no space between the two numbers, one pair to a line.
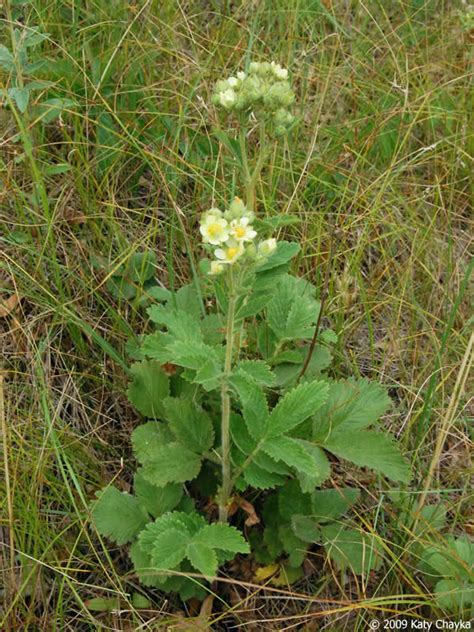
[381,156]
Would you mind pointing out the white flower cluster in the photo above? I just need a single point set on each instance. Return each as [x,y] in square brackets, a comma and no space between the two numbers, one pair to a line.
[264,91]
[233,233]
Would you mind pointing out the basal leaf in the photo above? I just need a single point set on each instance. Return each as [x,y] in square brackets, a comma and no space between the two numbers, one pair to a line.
[330,504]
[156,500]
[351,549]
[370,449]
[118,515]
[203,558]
[191,426]
[149,387]
[148,438]
[172,463]
[168,549]
[222,536]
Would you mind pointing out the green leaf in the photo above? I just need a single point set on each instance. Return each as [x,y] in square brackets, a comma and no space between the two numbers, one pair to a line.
[6,59]
[143,566]
[351,405]
[370,449]
[191,426]
[150,386]
[285,251]
[292,311]
[306,528]
[292,452]
[168,549]
[287,372]
[292,501]
[254,405]
[351,549]
[256,370]
[50,109]
[253,306]
[222,536]
[452,594]
[329,504]
[203,558]
[156,500]
[181,324]
[118,515]
[172,463]
[241,435]
[102,604]
[296,406]
[193,354]
[209,375]
[21,96]
[260,478]
[322,469]
[147,437]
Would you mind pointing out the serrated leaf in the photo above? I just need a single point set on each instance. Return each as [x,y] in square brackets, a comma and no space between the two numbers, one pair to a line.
[118,515]
[6,59]
[168,549]
[156,500]
[256,370]
[296,406]
[150,386]
[147,437]
[21,96]
[306,528]
[452,594]
[262,479]
[203,558]
[322,469]
[351,405]
[291,501]
[191,426]
[172,463]
[209,375]
[284,252]
[241,436]
[191,354]
[143,566]
[287,372]
[351,549]
[290,451]
[179,323]
[370,449]
[330,504]
[292,312]
[254,404]
[253,306]
[222,536]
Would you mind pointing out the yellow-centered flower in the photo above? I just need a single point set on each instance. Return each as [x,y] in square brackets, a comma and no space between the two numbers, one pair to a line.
[214,229]
[232,251]
[240,229]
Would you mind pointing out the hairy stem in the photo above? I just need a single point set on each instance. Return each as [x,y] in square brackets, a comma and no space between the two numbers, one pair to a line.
[226,488]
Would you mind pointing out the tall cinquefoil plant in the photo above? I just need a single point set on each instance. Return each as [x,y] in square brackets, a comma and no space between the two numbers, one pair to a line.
[236,409]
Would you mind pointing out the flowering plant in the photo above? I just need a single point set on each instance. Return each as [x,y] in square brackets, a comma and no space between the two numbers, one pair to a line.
[239,408]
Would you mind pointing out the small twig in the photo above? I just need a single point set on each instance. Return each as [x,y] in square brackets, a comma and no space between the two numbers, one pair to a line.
[321,308]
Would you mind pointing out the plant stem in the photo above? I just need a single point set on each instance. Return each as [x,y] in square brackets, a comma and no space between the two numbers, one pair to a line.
[226,488]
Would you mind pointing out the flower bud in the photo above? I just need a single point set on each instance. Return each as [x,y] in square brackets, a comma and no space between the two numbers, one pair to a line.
[216,268]
[267,247]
